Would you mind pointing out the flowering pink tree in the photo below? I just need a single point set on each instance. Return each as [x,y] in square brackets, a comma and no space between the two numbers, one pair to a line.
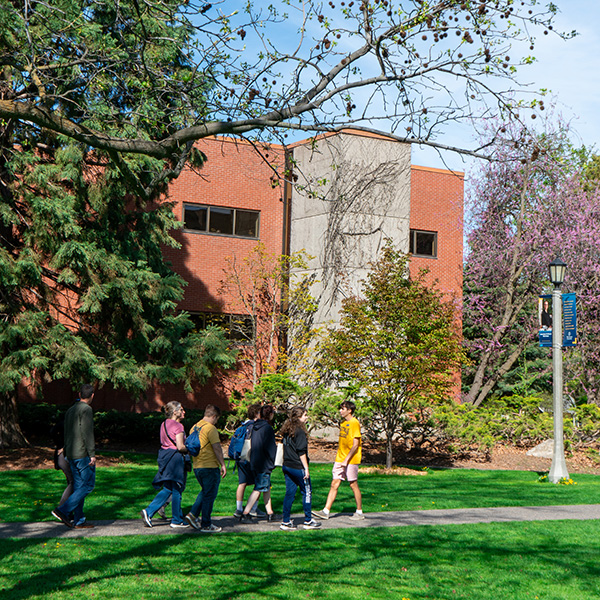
[525,209]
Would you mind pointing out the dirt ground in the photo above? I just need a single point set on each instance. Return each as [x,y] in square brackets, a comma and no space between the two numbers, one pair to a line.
[502,457]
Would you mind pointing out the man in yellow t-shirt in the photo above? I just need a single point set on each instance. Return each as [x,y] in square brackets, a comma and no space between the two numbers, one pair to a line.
[346,463]
[209,468]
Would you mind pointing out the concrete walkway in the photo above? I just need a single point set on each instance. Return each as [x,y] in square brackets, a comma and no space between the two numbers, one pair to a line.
[383,519]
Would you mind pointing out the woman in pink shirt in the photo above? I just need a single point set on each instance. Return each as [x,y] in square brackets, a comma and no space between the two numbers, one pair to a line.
[171,466]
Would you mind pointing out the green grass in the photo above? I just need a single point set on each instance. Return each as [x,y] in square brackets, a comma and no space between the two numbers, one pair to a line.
[514,561]
[123,490]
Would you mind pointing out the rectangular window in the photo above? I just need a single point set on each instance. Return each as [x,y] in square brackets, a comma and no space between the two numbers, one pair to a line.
[246,223]
[423,243]
[221,220]
[238,328]
[195,217]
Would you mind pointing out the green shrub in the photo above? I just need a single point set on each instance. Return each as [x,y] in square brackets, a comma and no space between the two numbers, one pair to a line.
[514,420]
[110,427]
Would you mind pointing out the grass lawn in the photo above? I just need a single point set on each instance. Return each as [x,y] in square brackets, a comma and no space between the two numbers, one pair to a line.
[123,490]
[514,561]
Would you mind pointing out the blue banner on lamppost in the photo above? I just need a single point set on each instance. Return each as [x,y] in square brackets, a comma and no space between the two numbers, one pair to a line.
[569,320]
[545,320]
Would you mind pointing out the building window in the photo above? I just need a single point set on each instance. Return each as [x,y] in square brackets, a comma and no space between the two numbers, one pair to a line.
[423,243]
[221,220]
[238,327]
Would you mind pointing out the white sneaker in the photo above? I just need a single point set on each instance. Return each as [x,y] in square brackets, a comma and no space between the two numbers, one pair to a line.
[179,525]
[147,520]
[312,524]
[288,527]
[192,520]
[320,514]
[357,517]
[212,528]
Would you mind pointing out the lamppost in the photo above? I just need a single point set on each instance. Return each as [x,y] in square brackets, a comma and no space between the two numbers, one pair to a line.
[558,470]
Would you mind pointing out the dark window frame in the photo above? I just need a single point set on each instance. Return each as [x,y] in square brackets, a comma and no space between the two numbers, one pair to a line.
[413,243]
[202,319]
[221,211]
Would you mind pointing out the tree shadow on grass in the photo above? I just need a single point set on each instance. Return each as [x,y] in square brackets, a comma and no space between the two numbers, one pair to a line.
[475,561]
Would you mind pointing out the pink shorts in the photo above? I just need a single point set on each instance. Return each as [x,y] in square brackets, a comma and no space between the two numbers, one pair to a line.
[349,473]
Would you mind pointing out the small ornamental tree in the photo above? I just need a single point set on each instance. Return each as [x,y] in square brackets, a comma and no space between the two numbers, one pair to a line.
[278,306]
[398,347]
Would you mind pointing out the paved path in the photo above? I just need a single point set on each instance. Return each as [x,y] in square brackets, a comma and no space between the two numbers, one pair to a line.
[383,519]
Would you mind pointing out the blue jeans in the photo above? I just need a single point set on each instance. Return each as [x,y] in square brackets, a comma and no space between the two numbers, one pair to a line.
[209,480]
[294,479]
[169,488]
[84,480]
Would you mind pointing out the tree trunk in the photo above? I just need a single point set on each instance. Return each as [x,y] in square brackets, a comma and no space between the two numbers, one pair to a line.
[11,435]
[389,459]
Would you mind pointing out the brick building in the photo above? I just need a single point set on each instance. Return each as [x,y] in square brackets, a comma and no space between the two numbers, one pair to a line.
[351,191]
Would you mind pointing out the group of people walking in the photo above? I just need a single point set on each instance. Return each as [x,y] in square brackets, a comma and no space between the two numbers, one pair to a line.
[77,458]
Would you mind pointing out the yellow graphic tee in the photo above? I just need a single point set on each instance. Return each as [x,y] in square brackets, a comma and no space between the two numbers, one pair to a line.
[348,431]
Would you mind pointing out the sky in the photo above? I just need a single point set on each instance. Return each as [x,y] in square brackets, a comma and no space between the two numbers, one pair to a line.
[570,69]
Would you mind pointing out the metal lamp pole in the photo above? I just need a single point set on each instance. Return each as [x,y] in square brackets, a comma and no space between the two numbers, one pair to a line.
[558,470]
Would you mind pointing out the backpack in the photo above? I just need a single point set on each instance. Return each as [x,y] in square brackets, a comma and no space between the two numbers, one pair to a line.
[237,441]
[192,442]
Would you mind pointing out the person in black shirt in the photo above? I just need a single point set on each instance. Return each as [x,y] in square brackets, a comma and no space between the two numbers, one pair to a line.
[296,468]
[262,463]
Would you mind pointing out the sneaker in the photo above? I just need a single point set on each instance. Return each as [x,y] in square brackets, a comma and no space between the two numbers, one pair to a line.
[238,514]
[147,520]
[179,525]
[84,525]
[272,518]
[320,514]
[288,526]
[357,517]
[246,519]
[259,514]
[212,528]
[62,517]
[161,513]
[192,520]
[312,524]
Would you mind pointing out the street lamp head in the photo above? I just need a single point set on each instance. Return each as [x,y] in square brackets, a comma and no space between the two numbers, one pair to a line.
[557,272]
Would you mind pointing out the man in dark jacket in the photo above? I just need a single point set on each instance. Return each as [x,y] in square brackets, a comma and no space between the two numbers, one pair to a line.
[262,462]
[80,452]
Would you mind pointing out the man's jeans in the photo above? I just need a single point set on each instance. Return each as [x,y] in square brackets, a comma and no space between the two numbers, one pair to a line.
[209,480]
[294,479]
[84,480]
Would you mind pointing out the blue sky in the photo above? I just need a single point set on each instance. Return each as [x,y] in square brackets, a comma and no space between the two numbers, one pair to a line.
[570,69]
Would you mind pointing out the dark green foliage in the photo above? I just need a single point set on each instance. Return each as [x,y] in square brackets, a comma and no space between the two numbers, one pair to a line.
[111,427]
[85,294]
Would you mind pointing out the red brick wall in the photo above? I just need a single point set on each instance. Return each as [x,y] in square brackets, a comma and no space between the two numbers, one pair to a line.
[436,204]
[235,176]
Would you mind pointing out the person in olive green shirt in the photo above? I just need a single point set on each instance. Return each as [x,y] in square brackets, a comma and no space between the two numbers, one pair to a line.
[80,451]
[209,468]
